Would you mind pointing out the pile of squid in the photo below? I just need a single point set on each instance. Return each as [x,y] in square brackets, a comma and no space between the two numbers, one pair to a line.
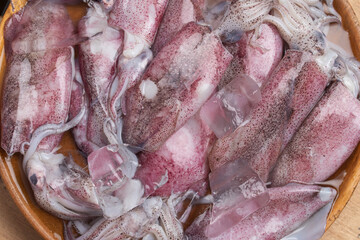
[198,119]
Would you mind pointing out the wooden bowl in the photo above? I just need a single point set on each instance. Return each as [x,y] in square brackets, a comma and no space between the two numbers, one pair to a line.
[51,227]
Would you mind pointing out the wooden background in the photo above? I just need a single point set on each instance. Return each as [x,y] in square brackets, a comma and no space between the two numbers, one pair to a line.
[14,226]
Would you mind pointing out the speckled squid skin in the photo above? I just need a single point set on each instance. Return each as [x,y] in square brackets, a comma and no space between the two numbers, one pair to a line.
[182,83]
[178,13]
[308,89]
[37,85]
[138,17]
[289,206]
[97,60]
[259,141]
[308,157]
[254,56]
[182,156]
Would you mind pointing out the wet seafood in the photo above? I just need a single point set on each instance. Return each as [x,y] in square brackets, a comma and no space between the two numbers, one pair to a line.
[97,60]
[140,21]
[259,141]
[299,22]
[264,107]
[308,158]
[44,80]
[182,158]
[141,222]
[40,78]
[174,87]
[309,87]
[289,206]
[255,56]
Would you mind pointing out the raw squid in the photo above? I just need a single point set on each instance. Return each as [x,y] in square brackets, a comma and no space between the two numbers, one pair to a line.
[141,222]
[308,158]
[289,206]
[299,26]
[179,80]
[178,13]
[259,141]
[140,21]
[299,22]
[255,56]
[41,79]
[309,87]
[182,158]
[97,59]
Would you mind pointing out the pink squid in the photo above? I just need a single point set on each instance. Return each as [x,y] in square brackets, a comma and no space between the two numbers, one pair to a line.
[307,157]
[288,208]
[178,13]
[309,87]
[255,56]
[40,78]
[36,102]
[140,21]
[155,218]
[176,84]
[182,158]
[259,141]
[97,60]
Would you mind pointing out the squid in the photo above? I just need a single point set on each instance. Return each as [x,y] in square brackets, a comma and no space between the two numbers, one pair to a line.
[309,86]
[243,16]
[98,58]
[43,79]
[175,85]
[182,158]
[289,206]
[298,27]
[178,13]
[298,21]
[259,141]
[254,56]
[140,21]
[155,218]
[307,157]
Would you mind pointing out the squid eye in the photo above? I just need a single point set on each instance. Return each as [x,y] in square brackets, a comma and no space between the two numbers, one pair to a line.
[34,179]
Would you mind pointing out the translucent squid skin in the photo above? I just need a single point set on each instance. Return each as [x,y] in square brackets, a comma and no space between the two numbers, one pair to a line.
[138,17]
[307,157]
[289,206]
[40,79]
[182,157]
[255,56]
[259,141]
[174,87]
[97,60]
